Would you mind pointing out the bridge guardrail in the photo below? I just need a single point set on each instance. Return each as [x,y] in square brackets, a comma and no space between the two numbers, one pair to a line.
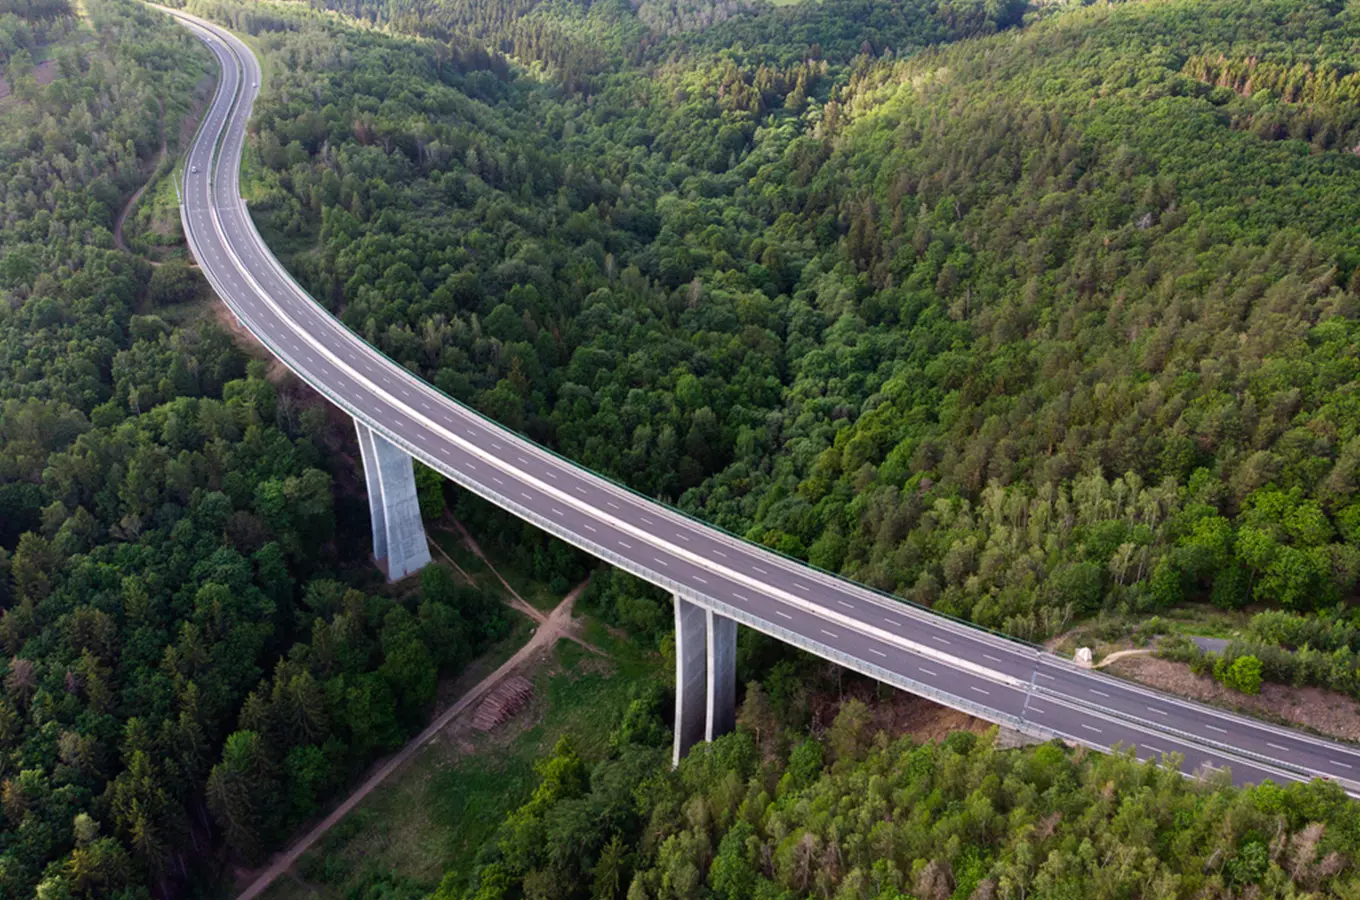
[855,663]
[896,599]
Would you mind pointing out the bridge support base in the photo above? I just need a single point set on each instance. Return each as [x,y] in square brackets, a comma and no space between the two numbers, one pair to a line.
[399,543]
[705,676]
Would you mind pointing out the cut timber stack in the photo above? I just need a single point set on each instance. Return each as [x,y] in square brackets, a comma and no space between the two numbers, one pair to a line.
[507,699]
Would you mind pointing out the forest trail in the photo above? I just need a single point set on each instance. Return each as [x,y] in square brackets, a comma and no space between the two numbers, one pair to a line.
[462,573]
[137,194]
[557,625]
[519,603]
[132,202]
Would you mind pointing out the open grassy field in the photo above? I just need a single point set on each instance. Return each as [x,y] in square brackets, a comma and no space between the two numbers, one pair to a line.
[431,817]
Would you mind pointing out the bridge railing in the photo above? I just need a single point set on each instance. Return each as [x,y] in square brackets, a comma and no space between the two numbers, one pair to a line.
[512,434]
[895,599]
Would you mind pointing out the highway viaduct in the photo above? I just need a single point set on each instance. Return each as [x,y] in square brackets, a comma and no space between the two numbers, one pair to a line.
[718,581]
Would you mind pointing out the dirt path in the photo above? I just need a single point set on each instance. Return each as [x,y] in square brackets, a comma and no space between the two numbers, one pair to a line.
[520,603]
[557,625]
[1120,654]
[132,202]
[461,571]
[137,194]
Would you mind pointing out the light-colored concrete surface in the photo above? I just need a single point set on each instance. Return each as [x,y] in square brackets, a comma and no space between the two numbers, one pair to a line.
[691,676]
[721,716]
[398,533]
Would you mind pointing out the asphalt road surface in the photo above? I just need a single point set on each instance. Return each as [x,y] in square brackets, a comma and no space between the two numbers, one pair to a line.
[1002,680]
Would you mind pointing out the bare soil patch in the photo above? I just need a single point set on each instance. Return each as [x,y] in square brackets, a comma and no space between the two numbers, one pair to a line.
[898,713]
[44,72]
[1326,712]
[278,372]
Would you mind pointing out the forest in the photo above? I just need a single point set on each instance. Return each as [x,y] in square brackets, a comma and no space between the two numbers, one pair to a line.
[1023,315]
[1026,313]
[768,813]
[189,664]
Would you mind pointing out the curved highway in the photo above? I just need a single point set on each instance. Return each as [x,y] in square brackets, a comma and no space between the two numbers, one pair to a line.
[987,675]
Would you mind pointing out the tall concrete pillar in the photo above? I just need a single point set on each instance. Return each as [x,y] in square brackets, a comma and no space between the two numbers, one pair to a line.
[705,676]
[398,534]
[722,676]
[691,676]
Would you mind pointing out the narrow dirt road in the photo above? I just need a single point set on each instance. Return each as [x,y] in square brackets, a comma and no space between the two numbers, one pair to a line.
[557,625]
[520,603]
[460,570]
[132,202]
[137,195]
[1120,654]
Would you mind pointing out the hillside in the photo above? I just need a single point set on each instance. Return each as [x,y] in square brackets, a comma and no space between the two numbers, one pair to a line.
[1036,315]
[1022,322]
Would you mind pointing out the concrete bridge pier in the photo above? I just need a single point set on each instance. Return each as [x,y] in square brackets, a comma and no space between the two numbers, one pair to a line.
[399,543]
[705,676]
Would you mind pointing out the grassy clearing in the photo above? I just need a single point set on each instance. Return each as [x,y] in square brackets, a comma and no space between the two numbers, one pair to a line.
[432,816]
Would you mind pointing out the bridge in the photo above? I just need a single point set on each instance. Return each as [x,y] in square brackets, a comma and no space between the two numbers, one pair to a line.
[718,581]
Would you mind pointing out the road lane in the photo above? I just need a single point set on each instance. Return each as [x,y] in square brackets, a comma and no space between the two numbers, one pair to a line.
[824,613]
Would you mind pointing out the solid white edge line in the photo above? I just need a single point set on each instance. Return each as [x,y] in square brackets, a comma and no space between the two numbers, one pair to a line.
[565,498]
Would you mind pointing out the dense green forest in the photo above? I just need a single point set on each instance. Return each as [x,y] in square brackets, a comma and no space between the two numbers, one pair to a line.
[1024,320]
[1026,314]
[769,814]
[184,665]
